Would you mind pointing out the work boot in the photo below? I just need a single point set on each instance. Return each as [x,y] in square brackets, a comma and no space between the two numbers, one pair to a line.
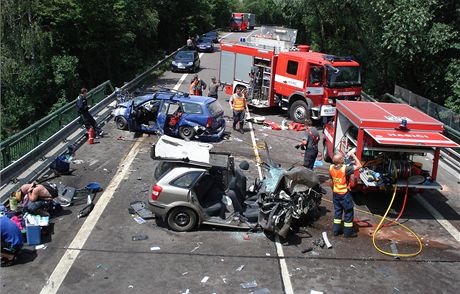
[351,235]
[337,233]
[241,131]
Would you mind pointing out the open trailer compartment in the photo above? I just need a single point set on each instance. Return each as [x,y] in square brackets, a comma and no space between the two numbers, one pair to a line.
[392,142]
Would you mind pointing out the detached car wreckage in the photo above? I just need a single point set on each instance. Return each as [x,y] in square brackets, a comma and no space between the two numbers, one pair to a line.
[194,185]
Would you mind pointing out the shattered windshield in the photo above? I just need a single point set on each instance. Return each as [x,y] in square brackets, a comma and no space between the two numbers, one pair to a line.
[343,76]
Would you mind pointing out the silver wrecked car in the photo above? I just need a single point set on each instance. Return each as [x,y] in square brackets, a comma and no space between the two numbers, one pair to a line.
[193,185]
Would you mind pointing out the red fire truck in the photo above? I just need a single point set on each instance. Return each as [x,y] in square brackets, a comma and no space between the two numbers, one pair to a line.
[305,83]
[239,22]
[391,141]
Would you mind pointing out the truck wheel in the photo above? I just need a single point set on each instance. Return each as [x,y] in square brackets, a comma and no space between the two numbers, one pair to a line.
[121,122]
[186,132]
[182,219]
[326,156]
[299,111]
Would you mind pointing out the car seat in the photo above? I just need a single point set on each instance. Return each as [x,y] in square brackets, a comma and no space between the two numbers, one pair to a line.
[210,196]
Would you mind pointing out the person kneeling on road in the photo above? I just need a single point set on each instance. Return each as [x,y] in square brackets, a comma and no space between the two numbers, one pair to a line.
[238,105]
[11,240]
[342,198]
[38,198]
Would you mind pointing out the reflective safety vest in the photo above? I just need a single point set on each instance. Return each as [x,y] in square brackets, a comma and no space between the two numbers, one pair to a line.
[238,103]
[339,179]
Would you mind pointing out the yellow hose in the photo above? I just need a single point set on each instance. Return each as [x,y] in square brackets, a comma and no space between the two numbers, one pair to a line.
[379,226]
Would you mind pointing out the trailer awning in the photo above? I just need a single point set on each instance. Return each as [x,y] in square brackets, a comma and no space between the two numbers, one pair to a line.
[411,138]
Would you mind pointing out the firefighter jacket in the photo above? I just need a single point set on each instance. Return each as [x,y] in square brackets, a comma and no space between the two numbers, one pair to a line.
[339,179]
[238,102]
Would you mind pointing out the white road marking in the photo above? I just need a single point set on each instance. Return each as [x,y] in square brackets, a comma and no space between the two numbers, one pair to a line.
[284,270]
[71,254]
[438,216]
[183,77]
[279,248]
[226,35]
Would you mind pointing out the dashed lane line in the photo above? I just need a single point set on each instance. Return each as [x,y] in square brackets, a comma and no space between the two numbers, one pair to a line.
[71,254]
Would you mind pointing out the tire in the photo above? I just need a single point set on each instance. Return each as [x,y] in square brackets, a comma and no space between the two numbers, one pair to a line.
[299,111]
[186,132]
[121,122]
[326,156]
[182,219]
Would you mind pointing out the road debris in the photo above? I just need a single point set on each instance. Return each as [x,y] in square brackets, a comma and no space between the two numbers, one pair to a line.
[248,285]
[196,247]
[394,249]
[186,273]
[139,220]
[319,243]
[204,279]
[154,248]
[260,291]
[316,292]
[308,249]
[240,268]
[326,241]
[140,237]
[41,246]
[267,254]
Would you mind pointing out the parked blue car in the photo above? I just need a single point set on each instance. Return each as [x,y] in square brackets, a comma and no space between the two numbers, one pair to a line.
[175,114]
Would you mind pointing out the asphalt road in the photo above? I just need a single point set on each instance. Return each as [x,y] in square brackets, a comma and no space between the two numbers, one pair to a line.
[97,255]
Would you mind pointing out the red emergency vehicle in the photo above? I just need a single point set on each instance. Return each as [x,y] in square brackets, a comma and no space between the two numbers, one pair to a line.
[239,22]
[305,83]
[391,141]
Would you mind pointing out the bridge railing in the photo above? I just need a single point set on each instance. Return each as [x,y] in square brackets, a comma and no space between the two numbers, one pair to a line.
[26,140]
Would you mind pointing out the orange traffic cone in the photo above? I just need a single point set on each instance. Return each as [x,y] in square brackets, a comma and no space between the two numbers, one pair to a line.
[91,136]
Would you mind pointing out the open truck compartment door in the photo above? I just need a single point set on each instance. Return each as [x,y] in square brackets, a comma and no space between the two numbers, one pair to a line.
[410,138]
[392,142]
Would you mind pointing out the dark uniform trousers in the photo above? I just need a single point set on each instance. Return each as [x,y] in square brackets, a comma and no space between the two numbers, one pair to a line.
[343,204]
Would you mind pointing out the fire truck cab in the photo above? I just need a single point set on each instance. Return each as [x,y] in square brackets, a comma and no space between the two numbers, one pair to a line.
[239,22]
[278,74]
[391,141]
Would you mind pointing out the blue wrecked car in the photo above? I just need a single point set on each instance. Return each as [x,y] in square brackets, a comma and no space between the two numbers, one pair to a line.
[172,113]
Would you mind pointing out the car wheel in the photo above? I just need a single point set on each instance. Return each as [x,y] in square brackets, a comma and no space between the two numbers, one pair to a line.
[121,122]
[186,132]
[326,156]
[299,111]
[182,219]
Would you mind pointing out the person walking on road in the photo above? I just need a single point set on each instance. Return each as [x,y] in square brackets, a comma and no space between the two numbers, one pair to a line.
[197,86]
[342,198]
[83,111]
[190,44]
[238,105]
[310,144]
[213,88]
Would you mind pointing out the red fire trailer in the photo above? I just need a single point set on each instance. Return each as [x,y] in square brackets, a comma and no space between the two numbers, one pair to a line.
[391,141]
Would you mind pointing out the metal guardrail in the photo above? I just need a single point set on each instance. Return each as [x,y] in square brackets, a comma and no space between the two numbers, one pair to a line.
[18,145]
[20,151]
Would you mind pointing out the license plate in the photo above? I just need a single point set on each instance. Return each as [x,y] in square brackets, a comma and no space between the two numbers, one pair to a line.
[327,110]
[181,66]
